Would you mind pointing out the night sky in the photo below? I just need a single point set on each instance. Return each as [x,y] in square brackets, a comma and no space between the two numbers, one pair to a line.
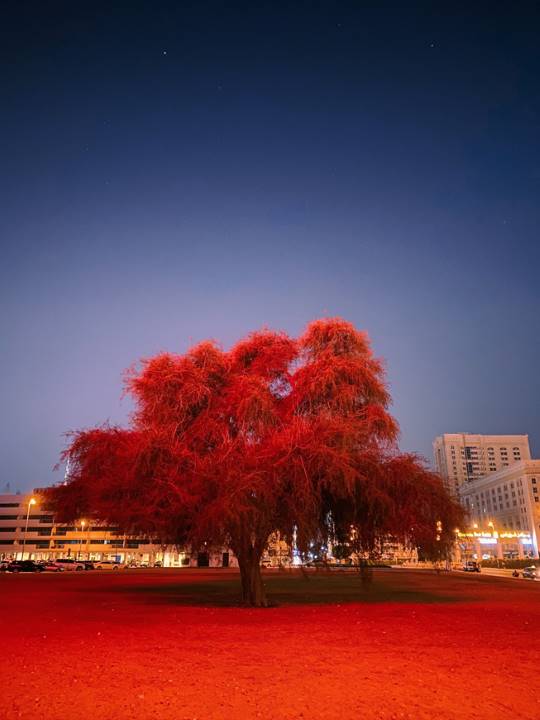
[176,171]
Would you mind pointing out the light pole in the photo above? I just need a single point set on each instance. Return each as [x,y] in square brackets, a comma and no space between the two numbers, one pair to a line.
[438,539]
[83,523]
[491,526]
[31,502]
[458,547]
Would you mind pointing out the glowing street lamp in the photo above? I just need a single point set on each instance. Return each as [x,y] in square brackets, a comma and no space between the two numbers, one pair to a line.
[31,502]
[83,523]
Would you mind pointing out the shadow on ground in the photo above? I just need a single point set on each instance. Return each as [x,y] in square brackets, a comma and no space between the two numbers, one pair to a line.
[289,589]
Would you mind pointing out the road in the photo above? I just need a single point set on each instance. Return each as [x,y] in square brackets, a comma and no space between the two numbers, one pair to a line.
[504,573]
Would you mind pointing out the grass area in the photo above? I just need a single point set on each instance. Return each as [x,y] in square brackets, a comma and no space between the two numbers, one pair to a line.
[174,645]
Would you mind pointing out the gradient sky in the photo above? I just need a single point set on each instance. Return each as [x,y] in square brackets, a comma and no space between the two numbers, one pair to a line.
[172,171]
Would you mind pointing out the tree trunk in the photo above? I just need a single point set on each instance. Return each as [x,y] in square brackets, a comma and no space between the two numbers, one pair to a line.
[253,592]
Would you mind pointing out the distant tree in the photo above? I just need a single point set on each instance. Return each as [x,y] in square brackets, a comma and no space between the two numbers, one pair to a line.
[342,551]
[276,434]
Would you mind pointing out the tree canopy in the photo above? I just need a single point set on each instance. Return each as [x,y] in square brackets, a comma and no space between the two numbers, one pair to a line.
[277,433]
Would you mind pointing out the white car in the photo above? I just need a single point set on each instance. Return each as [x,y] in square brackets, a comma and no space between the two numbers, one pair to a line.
[70,564]
[107,565]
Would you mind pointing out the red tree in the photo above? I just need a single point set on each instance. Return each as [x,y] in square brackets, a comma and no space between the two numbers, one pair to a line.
[275,434]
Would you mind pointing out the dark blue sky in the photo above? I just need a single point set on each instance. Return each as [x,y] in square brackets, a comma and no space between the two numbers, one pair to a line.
[172,171]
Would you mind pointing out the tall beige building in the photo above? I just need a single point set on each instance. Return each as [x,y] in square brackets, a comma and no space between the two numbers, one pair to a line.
[461,457]
[507,504]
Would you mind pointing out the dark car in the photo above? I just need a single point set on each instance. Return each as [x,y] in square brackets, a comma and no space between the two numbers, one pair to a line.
[18,566]
[531,572]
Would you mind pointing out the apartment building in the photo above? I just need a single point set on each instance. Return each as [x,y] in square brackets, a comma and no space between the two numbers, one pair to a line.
[503,509]
[462,458]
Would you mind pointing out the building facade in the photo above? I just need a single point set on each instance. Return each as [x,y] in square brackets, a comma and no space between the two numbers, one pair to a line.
[462,458]
[28,529]
[503,509]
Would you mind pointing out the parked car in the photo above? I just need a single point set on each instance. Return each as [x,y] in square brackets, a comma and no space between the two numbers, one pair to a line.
[88,564]
[107,565]
[531,572]
[471,566]
[51,566]
[4,564]
[70,564]
[18,566]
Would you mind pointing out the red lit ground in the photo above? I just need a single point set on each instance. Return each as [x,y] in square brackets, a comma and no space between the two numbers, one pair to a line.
[166,645]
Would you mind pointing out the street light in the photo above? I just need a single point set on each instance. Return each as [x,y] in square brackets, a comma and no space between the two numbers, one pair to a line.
[83,523]
[31,502]
[458,546]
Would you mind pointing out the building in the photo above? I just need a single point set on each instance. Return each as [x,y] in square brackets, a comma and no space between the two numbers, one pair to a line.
[462,458]
[27,527]
[503,510]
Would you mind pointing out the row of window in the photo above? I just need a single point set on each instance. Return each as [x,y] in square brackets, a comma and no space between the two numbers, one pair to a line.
[46,519]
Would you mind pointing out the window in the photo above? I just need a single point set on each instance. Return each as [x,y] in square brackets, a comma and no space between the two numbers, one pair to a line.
[9,504]
[533,480]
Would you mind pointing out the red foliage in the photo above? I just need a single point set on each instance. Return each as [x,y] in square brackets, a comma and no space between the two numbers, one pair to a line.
[275,434]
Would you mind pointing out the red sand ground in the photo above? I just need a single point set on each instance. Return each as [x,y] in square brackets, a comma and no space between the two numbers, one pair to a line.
[104,646]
